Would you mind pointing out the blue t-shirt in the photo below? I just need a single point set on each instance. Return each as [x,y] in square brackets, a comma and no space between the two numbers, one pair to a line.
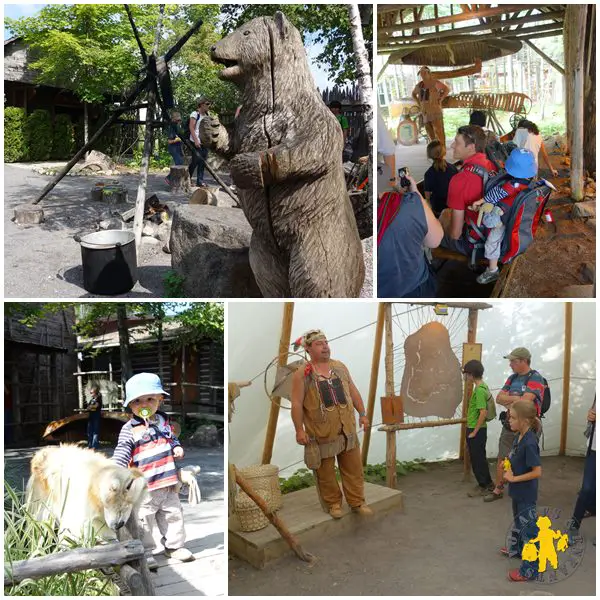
[523,456]
[401,263]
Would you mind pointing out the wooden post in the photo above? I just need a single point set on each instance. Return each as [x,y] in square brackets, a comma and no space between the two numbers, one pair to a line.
[471,338]
[577,75]
[284,347]
[275,520]
[390,442]
[551,62]
[138,220]
[183,384]
[374,377]
[566,377]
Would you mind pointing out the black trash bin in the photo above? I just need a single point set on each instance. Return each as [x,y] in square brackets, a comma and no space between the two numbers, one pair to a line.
[109,262]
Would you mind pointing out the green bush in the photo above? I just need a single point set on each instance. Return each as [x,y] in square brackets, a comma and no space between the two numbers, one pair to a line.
[64,137]
[15,144]
[39,135]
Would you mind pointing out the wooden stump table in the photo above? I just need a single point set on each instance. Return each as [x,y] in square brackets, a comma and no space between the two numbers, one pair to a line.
[180,179]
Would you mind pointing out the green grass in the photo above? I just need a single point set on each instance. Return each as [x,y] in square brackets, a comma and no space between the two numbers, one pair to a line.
[26,537]
[303,478]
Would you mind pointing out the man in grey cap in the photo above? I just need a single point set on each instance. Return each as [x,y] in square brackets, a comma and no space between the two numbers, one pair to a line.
[524,384]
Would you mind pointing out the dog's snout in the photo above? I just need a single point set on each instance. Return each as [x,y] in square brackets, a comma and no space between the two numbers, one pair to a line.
[119,524]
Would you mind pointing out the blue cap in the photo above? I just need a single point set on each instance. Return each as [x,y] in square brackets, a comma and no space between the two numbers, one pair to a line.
[521,163]
[142,384]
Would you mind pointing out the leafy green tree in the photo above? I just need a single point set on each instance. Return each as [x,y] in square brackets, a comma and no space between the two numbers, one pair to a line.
[326,24]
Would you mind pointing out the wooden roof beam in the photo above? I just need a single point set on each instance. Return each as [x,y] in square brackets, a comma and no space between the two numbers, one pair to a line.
[497,10]
[547,30]
[478,28]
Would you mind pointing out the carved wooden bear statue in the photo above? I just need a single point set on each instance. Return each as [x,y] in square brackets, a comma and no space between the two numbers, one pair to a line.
[285,156]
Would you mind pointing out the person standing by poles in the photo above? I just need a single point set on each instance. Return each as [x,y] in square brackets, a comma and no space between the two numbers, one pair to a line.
[94,407]
[174,141]
[324,399]
[477,428]
[198,162]
[429,94]
[586,499]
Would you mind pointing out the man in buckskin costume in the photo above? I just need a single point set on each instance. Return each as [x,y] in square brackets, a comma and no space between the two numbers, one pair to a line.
[324,398]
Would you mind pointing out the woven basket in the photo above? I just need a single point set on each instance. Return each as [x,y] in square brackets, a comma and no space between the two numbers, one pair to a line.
[263,479]
[250,517]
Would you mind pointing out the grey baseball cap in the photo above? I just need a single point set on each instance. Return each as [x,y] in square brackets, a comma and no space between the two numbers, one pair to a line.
[521,353]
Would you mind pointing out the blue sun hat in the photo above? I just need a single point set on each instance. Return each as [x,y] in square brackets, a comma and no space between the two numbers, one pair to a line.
[521,164]
[142,384]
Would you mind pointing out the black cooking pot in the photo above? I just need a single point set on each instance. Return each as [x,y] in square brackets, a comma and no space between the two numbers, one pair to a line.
[109,262]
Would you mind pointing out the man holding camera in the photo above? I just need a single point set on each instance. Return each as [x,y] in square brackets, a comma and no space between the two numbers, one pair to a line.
[524,384]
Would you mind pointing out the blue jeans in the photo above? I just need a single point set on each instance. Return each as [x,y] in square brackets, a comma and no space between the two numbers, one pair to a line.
[93,433]
[199,164]
[176,153]
[524,529]
[587,494]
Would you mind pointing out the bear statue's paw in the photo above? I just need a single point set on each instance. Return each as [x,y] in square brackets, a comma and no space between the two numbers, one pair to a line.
[246,170]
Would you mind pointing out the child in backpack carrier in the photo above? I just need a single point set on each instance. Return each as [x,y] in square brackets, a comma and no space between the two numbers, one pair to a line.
[521,166]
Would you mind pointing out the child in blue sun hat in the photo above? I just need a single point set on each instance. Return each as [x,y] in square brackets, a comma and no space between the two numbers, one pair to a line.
[148,443]
[521,166]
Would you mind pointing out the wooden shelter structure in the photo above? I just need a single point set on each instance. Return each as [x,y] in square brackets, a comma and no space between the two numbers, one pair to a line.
[38,382]
[408,38]
[384,332]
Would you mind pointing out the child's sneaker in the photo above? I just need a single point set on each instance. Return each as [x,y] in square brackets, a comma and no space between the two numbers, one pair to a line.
[181,554]
[515,575]
[488,276]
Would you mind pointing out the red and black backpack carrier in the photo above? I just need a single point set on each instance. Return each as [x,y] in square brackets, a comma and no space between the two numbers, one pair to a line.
[522,211]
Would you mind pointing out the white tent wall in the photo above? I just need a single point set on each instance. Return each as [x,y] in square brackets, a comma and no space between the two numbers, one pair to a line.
[254,330]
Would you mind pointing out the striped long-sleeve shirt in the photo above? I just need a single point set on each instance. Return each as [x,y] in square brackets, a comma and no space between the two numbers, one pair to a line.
[150,449]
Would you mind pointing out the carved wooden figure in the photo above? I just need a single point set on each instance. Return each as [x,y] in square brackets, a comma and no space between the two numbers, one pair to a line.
[285,157]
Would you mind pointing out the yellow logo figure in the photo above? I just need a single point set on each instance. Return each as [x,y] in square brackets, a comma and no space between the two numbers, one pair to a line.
[506,464]
[547,552]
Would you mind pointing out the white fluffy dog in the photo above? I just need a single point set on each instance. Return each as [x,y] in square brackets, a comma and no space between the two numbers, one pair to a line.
[82,489]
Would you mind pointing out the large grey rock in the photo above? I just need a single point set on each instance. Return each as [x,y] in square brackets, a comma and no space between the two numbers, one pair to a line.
[205,436]
[209,248]
[97,161]
[432,380]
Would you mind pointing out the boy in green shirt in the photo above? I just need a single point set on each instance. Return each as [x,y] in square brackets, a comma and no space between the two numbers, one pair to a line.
[477,428]
[336,109]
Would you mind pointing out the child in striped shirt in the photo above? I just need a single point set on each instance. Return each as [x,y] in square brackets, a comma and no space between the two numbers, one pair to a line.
[147,442]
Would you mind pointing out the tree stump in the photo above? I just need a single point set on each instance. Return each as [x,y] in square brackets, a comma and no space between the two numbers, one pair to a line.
[111,194]
[180,179]
[28,214]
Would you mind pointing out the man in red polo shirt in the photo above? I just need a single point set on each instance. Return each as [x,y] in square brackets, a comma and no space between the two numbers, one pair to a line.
[465,187]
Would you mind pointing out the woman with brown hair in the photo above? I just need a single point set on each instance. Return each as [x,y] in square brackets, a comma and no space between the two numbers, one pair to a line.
[527,136]
[437,177]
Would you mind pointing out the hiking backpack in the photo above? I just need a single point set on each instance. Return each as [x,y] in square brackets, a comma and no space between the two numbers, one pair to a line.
[546,396]
[498,152]
[387,209]
[522,212]
[490,407]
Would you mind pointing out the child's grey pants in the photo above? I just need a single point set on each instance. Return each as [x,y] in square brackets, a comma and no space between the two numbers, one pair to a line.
[161,517]
[493,242]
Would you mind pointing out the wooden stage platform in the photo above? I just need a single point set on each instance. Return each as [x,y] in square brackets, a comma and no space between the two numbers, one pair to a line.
[303,515]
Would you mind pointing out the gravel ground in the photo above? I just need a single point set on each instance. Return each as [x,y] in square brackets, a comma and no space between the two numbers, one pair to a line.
[44,261]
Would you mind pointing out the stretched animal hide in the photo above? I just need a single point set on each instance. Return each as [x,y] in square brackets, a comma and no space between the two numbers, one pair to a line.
[432,379]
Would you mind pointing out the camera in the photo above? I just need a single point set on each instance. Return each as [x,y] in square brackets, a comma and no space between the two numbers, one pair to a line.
[402,174]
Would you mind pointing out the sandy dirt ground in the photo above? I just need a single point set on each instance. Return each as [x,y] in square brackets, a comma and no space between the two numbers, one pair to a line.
[44,261]
[444,543]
